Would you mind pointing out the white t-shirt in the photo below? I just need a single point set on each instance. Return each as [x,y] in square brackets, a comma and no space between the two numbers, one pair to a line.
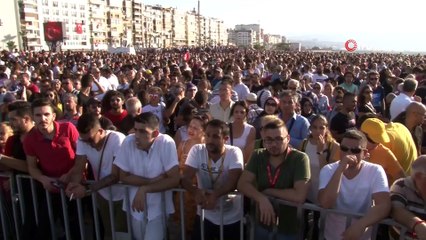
[161,157]
[158,111]
[241,142]
[94,157]
[355,195]
[311,151]
[233,159]
[319,78]
[242,91]
[104,83]
[399,104]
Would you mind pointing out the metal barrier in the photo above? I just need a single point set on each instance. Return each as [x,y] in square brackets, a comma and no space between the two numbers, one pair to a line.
[93,231]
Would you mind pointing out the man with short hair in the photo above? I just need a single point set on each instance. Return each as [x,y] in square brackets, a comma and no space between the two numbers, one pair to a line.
[408,196]
[116,113]
[297,125]
[50,152]
[353,184]
[345,118]
[134,108]
[413,119]
[222,109]
[148,160]
[93,106]
[217,167]
[99,147]
[405,97]
[20,119]
[71,113]
[278,171]
[239,87]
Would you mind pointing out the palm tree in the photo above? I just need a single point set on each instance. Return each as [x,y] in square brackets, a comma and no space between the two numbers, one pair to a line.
[11,45]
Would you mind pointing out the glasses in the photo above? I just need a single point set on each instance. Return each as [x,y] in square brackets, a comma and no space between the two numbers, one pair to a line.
[271,104]
[317,88]
[345,149]
[278,140]
[153,95]
[374,78]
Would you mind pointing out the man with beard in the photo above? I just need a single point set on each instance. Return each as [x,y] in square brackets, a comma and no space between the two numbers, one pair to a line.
[217,167]
[116,113]
[276,171]
[50,152]
[99,147]
[352,184]
[148,160]
[20,119]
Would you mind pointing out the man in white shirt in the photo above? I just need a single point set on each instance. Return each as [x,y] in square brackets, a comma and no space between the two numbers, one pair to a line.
[222,109]
[400,103]
[239,87]
[352,185]
[217,167]
[99,147]
[148,160]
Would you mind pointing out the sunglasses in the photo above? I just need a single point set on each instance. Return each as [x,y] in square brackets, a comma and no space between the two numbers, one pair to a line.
[345,149]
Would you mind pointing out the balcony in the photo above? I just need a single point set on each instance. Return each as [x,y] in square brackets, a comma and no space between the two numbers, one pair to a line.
[28,9]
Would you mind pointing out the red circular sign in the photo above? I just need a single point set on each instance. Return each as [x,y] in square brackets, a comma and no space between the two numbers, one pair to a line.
[351,45]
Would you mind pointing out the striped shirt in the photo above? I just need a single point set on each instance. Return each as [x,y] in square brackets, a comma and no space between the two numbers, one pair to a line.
[404,194]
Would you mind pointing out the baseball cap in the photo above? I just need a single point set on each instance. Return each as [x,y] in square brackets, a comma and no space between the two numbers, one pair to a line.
[376,130]
[251,97]
[92,101]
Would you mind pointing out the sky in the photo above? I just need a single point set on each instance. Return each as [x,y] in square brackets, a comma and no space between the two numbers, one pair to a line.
[374,24]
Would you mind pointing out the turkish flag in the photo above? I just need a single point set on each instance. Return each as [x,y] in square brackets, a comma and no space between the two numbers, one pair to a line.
[186,57]
[79,28]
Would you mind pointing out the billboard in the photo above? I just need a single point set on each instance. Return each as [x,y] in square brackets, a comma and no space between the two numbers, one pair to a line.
[53,31]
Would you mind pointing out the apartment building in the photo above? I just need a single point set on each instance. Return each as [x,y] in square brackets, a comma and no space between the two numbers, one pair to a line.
[242,37]
[98,24]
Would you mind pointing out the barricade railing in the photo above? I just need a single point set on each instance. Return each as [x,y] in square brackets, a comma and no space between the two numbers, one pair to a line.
[93,231]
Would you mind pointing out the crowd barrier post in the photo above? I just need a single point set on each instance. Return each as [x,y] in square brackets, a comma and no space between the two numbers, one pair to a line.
[14,200]
[80,219]
[95,215]
[50,213]
[65,214]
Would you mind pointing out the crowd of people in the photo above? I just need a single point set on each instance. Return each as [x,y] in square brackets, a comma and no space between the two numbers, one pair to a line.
[340,130]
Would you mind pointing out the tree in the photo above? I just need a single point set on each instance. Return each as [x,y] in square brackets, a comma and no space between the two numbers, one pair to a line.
[257,46]
[11,45]
[282,46]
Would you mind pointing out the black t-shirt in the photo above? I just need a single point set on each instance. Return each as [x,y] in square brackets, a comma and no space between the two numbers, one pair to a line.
[341,122]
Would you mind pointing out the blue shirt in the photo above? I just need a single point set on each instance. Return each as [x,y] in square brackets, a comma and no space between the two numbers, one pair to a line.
[298,128]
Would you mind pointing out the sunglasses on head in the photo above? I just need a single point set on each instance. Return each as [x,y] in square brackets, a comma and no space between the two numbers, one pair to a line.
[356,150]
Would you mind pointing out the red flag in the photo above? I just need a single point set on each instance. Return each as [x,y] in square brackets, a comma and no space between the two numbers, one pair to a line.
[187,56]
[79,28]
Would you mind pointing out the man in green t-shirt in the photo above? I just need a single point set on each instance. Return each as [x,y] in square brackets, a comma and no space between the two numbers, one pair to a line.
[276,171]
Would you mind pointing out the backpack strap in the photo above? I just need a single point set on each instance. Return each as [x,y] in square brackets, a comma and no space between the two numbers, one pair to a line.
[304,143]
[329,148]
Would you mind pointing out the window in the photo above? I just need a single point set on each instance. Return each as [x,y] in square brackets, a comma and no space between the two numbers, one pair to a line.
[46,11]
[82,7]
[65,13]
[64,4]
[45,2]
[55,4]
[82,14]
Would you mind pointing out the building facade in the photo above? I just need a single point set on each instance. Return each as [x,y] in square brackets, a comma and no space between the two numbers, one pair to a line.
[98,24]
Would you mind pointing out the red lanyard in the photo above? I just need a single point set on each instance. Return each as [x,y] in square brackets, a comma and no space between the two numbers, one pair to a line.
[273,181]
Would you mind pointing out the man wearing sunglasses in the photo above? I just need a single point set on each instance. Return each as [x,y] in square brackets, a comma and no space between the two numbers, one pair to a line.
[351,185]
